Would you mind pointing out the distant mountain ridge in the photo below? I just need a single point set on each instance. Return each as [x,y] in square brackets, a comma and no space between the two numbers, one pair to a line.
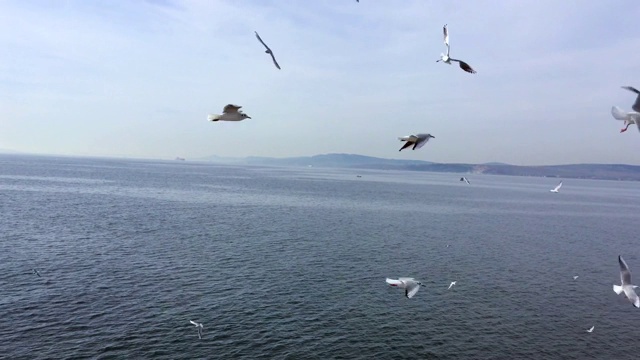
[580,171]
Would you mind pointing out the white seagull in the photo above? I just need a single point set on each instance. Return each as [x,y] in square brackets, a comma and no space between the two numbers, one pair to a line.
[557,188]
[591,330]
[199,326]
[575,277]
[410,285]
[629,118]
[447,60]
[465,180]
[417,141]
[625,286]
[36,272]
[230,113]
[451,285]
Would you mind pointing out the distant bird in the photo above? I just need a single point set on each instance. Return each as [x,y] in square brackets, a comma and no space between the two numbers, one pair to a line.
[557,188]
[451,285]
[417,141]
[230,113]
[626,286]
[447,60]
[591,330]
[268,51]
[410,285]
[199,326]
[575,277]
[36,272]
[465,180]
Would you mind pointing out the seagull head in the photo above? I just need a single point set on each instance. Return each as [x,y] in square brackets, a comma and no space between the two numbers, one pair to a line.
[245,116]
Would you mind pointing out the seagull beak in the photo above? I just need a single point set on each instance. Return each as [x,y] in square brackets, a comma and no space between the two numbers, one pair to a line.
[248,117]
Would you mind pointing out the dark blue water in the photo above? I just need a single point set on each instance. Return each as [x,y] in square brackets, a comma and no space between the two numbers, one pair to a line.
[290,263]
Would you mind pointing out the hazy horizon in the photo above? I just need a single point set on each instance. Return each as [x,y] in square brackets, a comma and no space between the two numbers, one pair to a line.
[137,79]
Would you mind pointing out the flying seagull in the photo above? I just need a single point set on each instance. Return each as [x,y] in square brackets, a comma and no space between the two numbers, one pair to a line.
[229,113]
[591,330]
[557,188]
[447,60]
[575,277]
[410,285]
[629,118]
[625,286]
[451,285]
[199,326]
[465,180]
[36,272]
[417,141]
[268,51]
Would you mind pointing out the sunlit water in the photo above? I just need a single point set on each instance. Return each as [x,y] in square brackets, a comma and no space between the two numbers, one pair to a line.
[290,263]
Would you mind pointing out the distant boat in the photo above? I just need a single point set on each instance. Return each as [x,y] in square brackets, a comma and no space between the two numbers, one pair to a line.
[180,159]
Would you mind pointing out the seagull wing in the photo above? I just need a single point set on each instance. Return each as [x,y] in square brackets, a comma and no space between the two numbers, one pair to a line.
[274,60]
[411,289]
[625,274]
[193,322]
[558,187]
[260,39]
[230,108]
[446,35]
[464,66]
[422,139]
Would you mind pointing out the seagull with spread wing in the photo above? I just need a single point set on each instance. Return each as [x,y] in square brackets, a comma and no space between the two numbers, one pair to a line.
[625,284]
[268,51]
[229,113]
[417,141]
[447,60]
[199,326]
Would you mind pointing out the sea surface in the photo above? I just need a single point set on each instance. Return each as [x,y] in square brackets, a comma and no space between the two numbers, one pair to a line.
[290,263]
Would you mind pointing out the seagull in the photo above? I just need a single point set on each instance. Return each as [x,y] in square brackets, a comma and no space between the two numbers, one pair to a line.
[36,272]
[451,285]
[591,330]
[199,326]
[410,285]
[465,180]
[230,113]
[447,60]
[557,188]
[625,286]
[268,51]
[417,141]
[575,277]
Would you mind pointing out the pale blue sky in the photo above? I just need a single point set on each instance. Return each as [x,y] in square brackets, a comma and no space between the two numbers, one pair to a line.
[138,78]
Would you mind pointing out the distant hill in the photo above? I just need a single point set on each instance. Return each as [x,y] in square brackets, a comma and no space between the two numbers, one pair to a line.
[579,171]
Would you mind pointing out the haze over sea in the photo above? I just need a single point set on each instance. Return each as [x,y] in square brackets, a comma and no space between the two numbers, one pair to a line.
[289,263]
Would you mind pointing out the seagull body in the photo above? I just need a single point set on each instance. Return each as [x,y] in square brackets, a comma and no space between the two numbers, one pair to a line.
[268,51]
[591,330]
[557,188]
[451,285]
[229,113]
[629,118]
[626,287]
[36,272]
[465,180]
[417,141]
[445,58]
[410,285]
[199,326]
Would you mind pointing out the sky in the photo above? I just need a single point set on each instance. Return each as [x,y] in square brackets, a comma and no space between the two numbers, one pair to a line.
[134,78]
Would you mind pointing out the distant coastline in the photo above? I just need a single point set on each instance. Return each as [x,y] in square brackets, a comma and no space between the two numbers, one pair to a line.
[575,171]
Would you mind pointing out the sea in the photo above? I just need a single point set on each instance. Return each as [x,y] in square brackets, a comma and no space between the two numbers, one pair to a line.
[290,263]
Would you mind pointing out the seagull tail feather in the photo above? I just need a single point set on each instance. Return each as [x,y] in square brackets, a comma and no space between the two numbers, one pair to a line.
[618,289]
[618,113]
